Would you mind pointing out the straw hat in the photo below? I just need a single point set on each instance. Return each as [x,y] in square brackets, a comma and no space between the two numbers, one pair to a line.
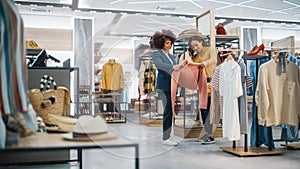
[89,128]
[187,34]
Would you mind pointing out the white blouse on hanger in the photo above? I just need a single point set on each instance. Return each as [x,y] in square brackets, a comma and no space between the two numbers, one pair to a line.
[230,88]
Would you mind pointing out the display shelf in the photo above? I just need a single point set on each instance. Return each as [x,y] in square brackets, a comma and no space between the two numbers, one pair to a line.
[109,105]
[252,151]
[227,38]
[149,112]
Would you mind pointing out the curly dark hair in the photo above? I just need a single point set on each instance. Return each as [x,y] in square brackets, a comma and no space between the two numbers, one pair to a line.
[159,38]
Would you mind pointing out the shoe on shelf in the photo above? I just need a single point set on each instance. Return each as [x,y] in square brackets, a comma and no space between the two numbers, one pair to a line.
[170,142]
[256,50]
[209,140]
[250,53]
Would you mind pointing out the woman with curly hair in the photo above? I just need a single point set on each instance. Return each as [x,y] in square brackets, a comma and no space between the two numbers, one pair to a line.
[165,64]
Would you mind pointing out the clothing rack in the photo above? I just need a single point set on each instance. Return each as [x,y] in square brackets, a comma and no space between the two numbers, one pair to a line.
[247,151]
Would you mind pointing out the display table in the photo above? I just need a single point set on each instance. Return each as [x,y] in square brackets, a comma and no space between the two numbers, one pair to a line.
[48,142]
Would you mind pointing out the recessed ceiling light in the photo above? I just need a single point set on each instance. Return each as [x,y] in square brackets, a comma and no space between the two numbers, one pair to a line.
[166,8]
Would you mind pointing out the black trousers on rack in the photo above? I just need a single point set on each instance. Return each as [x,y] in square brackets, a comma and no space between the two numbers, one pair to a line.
[167,116]
[206,119]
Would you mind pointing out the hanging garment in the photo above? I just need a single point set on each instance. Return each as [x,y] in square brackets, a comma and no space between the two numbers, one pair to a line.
[141,79]
[112,76]
[186,56]
[13,78]
[293,59]
[290,133]
[263,137]
[149,78]
[192,77]
[277,94]
[230,89]
[216,107]
[242,100]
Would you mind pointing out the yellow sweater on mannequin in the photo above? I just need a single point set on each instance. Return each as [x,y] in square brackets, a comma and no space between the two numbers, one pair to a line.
[112,76]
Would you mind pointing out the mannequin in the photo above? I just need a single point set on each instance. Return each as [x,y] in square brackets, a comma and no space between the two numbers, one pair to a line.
[112,76]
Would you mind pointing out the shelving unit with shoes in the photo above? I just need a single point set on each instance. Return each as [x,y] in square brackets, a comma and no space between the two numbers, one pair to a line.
[110,106]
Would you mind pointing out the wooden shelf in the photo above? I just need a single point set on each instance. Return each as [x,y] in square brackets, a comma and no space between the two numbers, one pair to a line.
[252,151]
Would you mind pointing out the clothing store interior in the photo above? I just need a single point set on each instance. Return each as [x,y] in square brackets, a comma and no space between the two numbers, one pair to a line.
[164,84]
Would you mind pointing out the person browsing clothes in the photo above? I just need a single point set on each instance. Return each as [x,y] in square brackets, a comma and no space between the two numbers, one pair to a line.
[207,57]
[165,64]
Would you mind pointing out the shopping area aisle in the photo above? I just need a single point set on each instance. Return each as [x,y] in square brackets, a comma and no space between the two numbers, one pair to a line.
[188,155]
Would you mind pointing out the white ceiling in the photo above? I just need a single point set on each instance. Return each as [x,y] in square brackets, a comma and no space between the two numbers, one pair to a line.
[118,19]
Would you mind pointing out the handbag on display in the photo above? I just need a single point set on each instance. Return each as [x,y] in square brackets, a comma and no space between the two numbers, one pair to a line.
[47,101]
[220,30]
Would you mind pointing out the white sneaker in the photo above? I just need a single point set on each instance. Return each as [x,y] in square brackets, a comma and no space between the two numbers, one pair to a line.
[169,142]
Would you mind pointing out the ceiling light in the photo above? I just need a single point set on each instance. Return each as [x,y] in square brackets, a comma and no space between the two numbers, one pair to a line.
[93,11]
[116,1]
[291,3]
[166,8]
[271,22]
[235,20]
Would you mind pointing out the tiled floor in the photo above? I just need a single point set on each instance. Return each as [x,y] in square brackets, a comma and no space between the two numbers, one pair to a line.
[188,155]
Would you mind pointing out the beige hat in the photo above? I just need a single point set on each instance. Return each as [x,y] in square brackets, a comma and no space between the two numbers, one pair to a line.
[89,128]
[186,34]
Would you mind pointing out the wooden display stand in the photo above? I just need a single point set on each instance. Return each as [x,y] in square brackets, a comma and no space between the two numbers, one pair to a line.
[150,122]
[194,132]
[252,151]
[292,146]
